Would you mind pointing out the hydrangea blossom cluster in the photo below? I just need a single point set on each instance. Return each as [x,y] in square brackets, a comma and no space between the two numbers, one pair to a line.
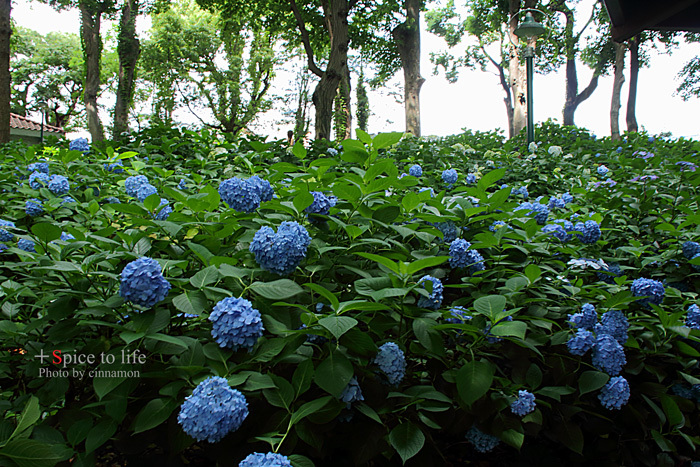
[692,318]
[608,355]
[459,315]
[520,191]
[539,211]
[26,245]
[615,393]
[6,236]
[461,256]
[586,319]
[497,225]
[144,191]
[245,195]
[213,410]
[554,151]
[182,186]
[614,323]
[58,185]
[39,167]
[415,170]
[690,249]
[434,300]
[322,204]
[392,362]
[603,171]
[280,252]
[80,144]
[449,176]
[66,236]
[471,179]
[590,231]
[351,393]
[448,229]
[271,459]
[68,200]
[38,180]
[557,231]
[236,324]
[133,183]
[555,202]
[524,404]
[607,183]
[164,213]
[581,342]
[652,290]
[264,188]
[34,207]
[481,441]
[116,167]
[142,282]
[609,272]
[332,152]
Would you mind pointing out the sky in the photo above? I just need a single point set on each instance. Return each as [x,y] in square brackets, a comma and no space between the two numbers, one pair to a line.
[475,101]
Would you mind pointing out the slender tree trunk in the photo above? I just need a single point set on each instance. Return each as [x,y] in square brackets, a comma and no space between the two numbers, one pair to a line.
[634,75]
[516,75]
[5,77]
[129,49]
[92,47]
[344,91]
[407,38]
[618,80]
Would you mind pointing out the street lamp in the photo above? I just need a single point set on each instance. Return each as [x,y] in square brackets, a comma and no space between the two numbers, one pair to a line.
[529,28]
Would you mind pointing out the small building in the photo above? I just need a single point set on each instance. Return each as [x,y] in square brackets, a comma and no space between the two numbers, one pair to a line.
[630,17]
[21,128]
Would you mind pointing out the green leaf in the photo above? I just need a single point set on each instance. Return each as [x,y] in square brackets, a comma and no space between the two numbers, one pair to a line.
[384,140]
[490,178]
[191,302]
[509,329]
[99,435]
[169,339]
[354,152]
[301,379]
[386,214]
[32,453]
[474,380]
[334,373]
[490,305]
[104,386]
[206,276]
[325,293]
[297,460]
[394,267]
[407,439]
[309,408]
[532,272]
[46,232]
[362,136]
[153,414]
[201,251]
[29,416]
[303,200]
[410,201]
[368,411]
[590,381]
[347,191]
[277,290]
[673,413]
[299,150]
[338,325]
[433,261]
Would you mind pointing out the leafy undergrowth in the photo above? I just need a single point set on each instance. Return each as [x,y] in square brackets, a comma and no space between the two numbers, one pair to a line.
[353,304]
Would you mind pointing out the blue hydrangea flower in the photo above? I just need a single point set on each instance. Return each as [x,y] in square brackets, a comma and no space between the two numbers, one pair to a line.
[68,200]
[213,410]
[432,192]
[145,191]
[434,299]
[351,393]
[80,144]
[271,459]
[490,338]
[34,207]
[164,213]
[66,236]
[590,231]
[142,282]
[687,166]
[539,211]
[690,249]
[116,167]
[3,247]
[332,152]
[556,203]
[111,200]
[280,252]
[615,324]
[557,231]
[237,325]
[682,391]
[26,245]
[415,170]
[314,339]
[692,319]
[615,393]
[38,180]
[471,179]
[321,205]
[240,194]
[392,362]
[132,184]
[58,185]
[609,272]
[587,319]
[39,167]
[497,225]
[608,355]
[581,343]
[524,404]
[459,315]
[461,256]
[449,176]
[448,229]
[695,266]
[182,186]
[6,236]
[567,198]
[603,171]
[653,290]
[520,191]
[481,441]
[265,190]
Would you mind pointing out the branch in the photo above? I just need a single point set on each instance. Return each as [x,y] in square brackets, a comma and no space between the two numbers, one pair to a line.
[187,103]
[590,20]
[305,39]
[501,73]
[586,93]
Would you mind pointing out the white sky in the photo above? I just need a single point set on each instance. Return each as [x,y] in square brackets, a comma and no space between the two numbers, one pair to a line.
[476,101]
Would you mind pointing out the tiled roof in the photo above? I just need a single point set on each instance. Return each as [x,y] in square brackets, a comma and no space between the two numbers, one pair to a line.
[23,123]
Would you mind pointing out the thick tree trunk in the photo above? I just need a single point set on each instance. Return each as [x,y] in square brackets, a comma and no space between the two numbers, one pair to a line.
[5,77]
[129,49]
[92,46]
[634,75]
[407,38]
[516,75]
[618,80]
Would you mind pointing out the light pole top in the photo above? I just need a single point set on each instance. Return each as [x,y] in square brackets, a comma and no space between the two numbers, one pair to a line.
[529,27]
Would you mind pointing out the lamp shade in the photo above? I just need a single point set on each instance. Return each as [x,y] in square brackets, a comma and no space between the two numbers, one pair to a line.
[529,27]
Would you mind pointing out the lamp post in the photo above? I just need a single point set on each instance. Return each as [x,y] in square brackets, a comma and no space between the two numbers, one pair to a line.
[528,29]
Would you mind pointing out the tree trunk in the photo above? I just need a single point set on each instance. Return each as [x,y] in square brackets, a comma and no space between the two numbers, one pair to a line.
[5,77]
[634,74]
[618,80]
[92,47]
[344,89]
[407,38]
[128,49]
[516,75]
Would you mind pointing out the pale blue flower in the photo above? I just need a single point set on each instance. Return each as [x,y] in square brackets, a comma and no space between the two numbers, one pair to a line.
[237,325]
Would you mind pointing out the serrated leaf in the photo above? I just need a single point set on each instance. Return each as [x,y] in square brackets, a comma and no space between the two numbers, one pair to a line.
[407,439]
[277,290]
[153,414]
[490,305]
[32,453]
[590,381]
[309,408]
[205,277]
[192,302]
[474,380]
[334,373]
[338,325]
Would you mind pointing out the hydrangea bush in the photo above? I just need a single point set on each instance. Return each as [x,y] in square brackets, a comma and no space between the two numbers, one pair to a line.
[300,306]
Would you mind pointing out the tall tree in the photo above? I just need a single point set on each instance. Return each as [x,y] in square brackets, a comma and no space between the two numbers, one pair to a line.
[407,38]
[5,77]
[631,118]
[618,81]
[129,49]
